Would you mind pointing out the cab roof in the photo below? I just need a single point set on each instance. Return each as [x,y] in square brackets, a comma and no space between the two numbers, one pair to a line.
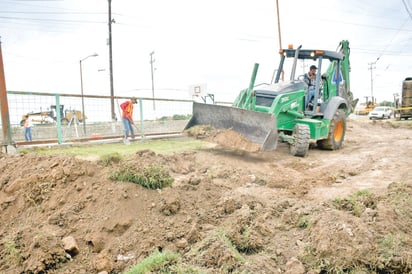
[313,54]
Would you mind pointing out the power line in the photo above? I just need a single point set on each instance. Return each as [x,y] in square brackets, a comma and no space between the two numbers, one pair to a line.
[55,12]
[393,37]
[51,20]
[407,9]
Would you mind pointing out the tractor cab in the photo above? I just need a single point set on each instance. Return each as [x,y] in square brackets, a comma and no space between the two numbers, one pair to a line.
[334,82]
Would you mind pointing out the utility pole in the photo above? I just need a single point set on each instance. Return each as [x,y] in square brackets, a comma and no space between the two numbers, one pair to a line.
[4,108]
[371,68]
[81,90]
[152,60]
[111,62]
[280,36]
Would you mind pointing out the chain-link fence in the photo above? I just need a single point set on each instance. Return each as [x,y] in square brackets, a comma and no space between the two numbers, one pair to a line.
[68,117]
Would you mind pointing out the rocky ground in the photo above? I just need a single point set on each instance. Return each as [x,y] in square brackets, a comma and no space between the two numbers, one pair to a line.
[227,210]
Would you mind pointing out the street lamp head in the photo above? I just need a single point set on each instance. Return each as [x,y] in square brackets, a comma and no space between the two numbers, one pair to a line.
[92,55]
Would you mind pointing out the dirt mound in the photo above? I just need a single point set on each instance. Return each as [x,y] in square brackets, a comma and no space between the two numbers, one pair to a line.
[233,140]
[224,211]
[225,139]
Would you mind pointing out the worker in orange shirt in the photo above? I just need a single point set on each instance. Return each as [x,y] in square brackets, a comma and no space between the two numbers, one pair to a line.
[127,118]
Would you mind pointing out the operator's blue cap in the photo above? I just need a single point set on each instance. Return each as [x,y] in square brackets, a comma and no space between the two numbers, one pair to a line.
[313,67]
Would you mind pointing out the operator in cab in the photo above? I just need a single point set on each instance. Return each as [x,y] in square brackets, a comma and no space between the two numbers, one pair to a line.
[309,79]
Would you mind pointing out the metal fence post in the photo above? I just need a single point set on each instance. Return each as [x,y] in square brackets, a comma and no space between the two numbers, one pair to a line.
[59,120]
[141,117]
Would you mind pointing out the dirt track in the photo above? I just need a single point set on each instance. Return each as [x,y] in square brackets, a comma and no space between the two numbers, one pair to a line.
[331,211]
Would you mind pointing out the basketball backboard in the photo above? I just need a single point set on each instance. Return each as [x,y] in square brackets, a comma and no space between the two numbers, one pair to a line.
[198,90]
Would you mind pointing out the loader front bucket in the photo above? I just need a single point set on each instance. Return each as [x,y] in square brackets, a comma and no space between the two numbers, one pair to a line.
[258,127]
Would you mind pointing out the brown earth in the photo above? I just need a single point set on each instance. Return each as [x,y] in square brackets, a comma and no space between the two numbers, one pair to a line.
[227,211]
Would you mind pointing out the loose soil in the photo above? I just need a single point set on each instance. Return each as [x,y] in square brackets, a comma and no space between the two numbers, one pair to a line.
[230,208]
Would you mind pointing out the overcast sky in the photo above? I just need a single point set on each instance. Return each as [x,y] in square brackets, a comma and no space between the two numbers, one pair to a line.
[215,42]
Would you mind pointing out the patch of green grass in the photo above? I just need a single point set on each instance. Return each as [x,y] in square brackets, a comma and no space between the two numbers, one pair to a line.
[357,202]
[24,151]
[303,223]
[401,199]
[304,220]
[108,159]
[157,262]
[182,269]
[390,246]
[247,244]
[164,146]
[10,251]
[218,241]
[152,177]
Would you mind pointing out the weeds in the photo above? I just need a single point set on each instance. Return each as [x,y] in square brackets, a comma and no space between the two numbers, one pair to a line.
[389,246]
[401,199]
[246,242]
[303,223]
[10,251]
[157,262]
[23,151]
[151,177]
[217,250]
[108,159]
[304,220]
[357,202]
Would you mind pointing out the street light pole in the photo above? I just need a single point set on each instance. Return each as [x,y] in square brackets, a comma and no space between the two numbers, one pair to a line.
[81,89]
[111,61]
[151,66]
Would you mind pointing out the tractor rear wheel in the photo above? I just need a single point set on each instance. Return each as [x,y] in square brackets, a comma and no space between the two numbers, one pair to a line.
[337,130]
[301,137]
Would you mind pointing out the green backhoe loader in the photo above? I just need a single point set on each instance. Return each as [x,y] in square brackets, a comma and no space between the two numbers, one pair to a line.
[268,113]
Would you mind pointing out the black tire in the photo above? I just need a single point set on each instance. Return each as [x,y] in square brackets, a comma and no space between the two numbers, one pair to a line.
[300,145]
[336,133]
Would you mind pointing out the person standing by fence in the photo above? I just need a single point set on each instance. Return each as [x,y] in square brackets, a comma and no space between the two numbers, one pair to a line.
[27,128]
[127,118]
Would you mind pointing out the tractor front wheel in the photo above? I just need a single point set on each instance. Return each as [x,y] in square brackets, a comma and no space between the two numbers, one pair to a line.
[336,133]
[301,137]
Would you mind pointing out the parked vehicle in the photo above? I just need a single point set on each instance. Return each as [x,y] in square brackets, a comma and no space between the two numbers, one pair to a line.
[403,105]
[380,113]
[365,108]
[50,116]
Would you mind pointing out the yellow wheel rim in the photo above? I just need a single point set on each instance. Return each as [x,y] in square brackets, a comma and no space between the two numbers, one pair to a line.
[338,133]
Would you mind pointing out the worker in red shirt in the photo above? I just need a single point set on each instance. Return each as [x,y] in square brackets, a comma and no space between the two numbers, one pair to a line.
[127,117]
